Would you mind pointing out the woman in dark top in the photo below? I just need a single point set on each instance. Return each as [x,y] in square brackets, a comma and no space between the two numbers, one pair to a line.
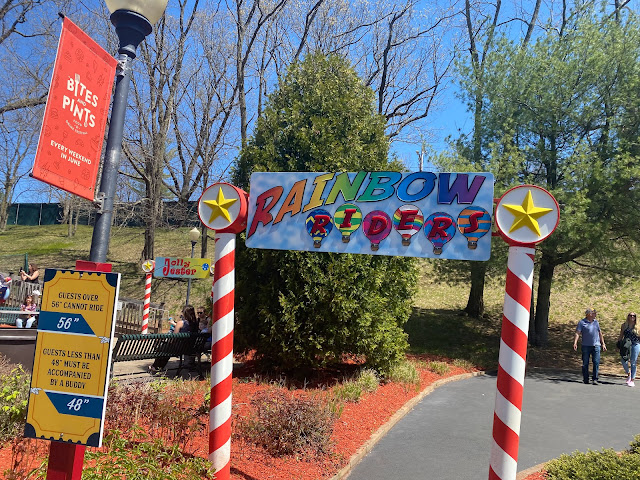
[188,323]
[629,330]
[32,275]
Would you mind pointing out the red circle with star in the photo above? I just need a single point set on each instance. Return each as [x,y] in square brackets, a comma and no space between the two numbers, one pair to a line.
[223,207]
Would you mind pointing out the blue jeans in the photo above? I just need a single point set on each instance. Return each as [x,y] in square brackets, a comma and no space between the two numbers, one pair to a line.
[594,351]
[633,358]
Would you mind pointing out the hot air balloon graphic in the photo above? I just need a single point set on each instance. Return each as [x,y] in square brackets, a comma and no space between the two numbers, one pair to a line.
[319,225]
[474,222]
[439,228]
[407,220]
[347,218]
[376,227]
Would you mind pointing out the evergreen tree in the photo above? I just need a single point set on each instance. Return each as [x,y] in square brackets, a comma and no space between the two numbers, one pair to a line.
[301,309]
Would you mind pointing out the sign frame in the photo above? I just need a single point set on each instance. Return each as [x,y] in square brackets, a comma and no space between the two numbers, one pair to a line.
[72,358]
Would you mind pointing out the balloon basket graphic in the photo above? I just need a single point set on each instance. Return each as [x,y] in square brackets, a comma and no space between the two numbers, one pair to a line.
[472,245]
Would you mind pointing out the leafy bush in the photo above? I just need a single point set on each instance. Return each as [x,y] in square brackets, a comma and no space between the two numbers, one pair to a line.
[164,406]
[602,465]
[349,391]
[304,309]
[634,446]
[462,363]
[440,368]
[368,380]
[403,372]
[14,394]
[285,424]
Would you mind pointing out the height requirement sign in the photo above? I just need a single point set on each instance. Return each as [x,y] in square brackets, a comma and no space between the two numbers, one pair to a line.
[420,214]
[71,365]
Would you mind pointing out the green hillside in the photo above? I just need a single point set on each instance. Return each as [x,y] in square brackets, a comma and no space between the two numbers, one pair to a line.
[437,324]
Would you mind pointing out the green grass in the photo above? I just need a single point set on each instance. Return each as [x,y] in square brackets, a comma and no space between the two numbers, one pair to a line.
[437,324]
[50,247]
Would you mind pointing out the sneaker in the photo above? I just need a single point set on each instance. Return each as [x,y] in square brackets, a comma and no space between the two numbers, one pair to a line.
[595,382]
[631,383]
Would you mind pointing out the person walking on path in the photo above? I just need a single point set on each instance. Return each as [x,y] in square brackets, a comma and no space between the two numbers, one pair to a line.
[629,339]
[592,340]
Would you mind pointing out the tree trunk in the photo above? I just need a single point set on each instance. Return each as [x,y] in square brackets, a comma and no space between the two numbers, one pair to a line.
[475,303]
[69,220]
[541,337]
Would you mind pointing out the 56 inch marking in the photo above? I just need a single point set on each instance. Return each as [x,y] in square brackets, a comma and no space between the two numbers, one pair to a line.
[65,322]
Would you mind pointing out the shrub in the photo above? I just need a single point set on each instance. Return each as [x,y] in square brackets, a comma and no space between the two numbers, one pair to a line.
[368,380]
[305,309]
[404,372]
[464,364]
[634,446]
[440,368]
[14,393]
[285,424]
[349,391]
[602,465]
[166,407]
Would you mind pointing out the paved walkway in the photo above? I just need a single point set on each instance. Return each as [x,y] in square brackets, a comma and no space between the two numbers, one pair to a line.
[447,436]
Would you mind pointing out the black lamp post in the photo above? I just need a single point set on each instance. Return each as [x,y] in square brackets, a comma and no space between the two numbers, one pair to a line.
[133,20]
[194,235]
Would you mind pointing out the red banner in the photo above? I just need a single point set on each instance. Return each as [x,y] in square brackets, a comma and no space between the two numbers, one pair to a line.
[70,144]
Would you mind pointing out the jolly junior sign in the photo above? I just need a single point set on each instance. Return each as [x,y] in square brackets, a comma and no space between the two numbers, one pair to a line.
[420,214]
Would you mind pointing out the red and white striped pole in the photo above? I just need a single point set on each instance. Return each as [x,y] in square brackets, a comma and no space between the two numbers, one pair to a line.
[511,364]
[222,354]
[223,208]
[525,216]
[147,267]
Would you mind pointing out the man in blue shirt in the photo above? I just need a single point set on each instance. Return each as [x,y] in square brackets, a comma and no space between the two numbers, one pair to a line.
[592,340]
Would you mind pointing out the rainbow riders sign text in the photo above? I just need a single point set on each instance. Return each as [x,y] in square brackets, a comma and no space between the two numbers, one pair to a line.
[420,214]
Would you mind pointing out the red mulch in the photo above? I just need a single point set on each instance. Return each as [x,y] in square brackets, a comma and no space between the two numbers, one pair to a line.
[250,462]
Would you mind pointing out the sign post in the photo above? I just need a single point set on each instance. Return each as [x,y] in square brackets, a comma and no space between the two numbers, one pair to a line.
[525,216]
[222,208]
[147,268]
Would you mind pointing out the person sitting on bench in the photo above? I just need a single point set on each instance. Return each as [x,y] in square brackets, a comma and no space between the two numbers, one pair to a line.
[29,307]
[188,323]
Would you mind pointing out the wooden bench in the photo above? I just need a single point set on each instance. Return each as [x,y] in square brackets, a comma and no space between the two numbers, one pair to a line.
[130,347]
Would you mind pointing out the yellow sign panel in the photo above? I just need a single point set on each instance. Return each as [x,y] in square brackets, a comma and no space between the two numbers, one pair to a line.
[72,356]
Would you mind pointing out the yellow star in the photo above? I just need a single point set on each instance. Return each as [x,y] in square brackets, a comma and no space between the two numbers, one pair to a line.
[220,206]
[526,214]
[147,266]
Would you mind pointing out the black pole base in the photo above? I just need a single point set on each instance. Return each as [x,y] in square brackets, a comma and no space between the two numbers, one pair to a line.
[131,28]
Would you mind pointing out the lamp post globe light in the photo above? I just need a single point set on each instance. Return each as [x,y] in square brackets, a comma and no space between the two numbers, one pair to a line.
[133,20]
[194,235]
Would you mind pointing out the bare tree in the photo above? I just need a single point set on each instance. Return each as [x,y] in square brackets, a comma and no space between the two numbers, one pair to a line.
[155,92]
[15,147]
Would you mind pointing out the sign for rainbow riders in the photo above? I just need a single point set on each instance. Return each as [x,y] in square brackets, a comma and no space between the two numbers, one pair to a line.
[419,214]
